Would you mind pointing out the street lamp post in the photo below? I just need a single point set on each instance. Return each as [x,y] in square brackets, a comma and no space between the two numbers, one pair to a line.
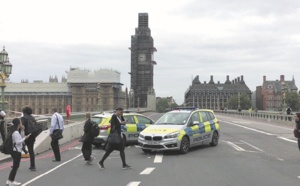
[5,71]
[99,97]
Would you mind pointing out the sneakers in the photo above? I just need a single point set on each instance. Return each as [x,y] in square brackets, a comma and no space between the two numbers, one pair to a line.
[89,162]
[101,166]
[126,167]
[32,168]
[12,183]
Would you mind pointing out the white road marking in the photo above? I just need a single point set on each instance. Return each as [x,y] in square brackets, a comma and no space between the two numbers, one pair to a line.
[158,158]
[134,183]
[298,176]
[259,131]
[147,170]
[235,146]
[48,172]
[252,146]
[286,139]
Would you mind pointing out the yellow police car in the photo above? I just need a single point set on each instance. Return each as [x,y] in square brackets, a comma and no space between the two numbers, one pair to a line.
[180,130]
[135,123]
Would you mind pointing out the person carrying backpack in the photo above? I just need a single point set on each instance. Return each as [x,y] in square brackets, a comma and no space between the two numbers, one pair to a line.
[87,139]
[17,141]
[27,111]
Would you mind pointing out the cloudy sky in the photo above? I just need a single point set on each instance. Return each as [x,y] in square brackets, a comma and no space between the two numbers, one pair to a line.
[252,38]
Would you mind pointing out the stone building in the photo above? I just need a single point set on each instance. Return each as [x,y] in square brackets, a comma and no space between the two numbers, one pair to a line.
[83,90]
[270,95]
[142,93]
[213,95]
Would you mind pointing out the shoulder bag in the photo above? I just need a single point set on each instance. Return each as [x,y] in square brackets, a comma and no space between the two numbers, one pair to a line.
[114,138]
[57,133]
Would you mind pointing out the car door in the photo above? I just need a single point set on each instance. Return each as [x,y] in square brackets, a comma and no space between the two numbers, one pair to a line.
[193,129]
[130,129]
[206,128]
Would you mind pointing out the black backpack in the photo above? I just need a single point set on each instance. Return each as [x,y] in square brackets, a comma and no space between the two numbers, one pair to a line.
[7,146]
[95,129]
[32,126]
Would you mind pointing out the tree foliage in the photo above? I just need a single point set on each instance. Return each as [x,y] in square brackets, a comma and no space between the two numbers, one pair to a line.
[292,101]
[162,105]
[245,102]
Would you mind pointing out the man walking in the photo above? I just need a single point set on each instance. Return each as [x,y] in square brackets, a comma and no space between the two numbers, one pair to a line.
[57,123]
[2,125]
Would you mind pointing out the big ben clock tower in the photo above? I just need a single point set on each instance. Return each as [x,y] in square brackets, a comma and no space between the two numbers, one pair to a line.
[142,94]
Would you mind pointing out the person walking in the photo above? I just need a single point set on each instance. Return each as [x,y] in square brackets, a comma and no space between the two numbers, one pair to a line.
[2,125]
[17,141]
[57,122]
[87,139]
[297,127]
[117,120]
[27,115]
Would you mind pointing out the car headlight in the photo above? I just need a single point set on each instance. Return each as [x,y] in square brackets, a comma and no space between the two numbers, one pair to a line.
[172,135]
[141,136]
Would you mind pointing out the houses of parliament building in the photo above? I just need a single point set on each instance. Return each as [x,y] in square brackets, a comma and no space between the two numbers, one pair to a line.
[83,90]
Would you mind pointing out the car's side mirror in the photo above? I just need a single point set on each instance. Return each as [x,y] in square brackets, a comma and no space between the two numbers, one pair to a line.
[195,123]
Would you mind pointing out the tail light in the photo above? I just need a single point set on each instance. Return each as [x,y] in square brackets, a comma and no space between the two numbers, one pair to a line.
[104,127]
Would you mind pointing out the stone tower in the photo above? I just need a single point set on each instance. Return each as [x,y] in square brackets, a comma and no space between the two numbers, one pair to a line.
[142,62]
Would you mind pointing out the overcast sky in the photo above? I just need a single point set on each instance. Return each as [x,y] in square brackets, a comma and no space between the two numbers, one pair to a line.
[252,38]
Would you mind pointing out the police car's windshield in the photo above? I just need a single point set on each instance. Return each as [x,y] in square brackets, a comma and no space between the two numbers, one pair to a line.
[173,118]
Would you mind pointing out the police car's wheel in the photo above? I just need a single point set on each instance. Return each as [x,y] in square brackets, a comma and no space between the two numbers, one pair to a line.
[215,139]
[146,151]
[185,145]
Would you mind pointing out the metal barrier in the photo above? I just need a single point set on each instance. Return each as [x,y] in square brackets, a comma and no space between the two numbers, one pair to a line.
[269,116]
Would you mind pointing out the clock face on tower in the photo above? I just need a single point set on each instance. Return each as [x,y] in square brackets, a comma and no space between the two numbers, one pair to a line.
[142,57]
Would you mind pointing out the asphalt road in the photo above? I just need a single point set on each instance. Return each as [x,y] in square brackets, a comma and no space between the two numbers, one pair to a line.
[249,153]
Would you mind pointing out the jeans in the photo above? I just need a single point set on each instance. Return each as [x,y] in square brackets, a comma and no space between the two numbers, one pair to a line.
[16,156]
[30,146]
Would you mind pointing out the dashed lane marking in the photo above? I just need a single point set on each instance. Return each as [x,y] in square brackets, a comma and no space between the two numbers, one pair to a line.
[134,183]
[147,170]
[158,158]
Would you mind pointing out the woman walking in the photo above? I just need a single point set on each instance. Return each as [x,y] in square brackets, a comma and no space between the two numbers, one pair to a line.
[117,120]
[17,149]
[87,140]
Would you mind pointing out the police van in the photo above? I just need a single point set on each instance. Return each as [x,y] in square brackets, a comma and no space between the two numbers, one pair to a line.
[135,123]
[181,129]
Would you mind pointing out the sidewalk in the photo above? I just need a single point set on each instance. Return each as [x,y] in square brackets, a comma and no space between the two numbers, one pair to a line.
[42,142]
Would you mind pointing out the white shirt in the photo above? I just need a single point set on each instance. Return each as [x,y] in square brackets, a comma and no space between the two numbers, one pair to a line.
[54,124]
[18,140]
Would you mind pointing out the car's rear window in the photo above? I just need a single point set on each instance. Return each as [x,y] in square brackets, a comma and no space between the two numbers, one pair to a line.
[97,119]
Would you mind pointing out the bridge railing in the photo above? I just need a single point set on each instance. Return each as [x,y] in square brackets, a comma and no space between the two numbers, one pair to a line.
[261,115]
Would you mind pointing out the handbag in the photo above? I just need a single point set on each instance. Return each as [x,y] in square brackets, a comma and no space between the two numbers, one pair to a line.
[296,133]
[57,133]
[114,138]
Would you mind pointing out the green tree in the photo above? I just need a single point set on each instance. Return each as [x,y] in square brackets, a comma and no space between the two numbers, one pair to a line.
[162,105]
[245,102]
[292,101]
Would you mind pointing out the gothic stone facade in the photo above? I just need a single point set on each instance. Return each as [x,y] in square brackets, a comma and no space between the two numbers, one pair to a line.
[213,95]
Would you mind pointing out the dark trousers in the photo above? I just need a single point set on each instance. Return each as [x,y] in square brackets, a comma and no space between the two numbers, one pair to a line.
[2,130]
[107,153]
[30,146]
[16,156]
[55,148]
[86,150]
